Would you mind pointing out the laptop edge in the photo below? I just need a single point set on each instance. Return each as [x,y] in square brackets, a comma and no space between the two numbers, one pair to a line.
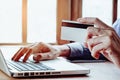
[6,70]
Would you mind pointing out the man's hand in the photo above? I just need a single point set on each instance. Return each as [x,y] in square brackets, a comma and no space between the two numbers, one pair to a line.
[102,39]
[40,51]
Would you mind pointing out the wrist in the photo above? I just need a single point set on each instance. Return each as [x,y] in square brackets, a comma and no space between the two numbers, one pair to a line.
[64,50]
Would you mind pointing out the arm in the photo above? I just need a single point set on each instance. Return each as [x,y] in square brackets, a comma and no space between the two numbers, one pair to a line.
[76,51]
[44,51]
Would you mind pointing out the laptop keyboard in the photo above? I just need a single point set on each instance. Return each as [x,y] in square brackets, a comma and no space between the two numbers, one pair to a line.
[28,66]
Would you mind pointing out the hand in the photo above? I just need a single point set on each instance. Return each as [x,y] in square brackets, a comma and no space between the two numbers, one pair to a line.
[102,39]
[40,51]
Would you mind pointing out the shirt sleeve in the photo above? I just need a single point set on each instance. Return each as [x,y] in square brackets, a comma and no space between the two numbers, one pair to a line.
[78,51]
[116,26]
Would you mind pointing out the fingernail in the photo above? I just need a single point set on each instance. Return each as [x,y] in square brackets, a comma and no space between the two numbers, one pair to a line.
[37,58]
[97,56]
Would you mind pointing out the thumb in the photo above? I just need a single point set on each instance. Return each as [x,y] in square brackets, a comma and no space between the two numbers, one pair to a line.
[91,20]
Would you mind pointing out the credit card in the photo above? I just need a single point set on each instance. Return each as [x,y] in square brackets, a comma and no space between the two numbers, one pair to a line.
[74,31]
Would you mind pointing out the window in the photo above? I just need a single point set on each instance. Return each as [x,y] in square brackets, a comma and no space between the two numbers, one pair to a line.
[10,21]
[119,9]
[41,21]
[98,8]
[27,21]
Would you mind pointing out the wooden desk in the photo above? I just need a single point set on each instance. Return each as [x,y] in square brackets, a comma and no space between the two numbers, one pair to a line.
[99,71]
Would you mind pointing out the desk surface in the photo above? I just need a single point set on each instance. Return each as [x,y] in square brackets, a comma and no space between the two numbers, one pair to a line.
[99,71]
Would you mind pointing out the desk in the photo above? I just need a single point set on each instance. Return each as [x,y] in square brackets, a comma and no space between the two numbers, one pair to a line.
[99,71]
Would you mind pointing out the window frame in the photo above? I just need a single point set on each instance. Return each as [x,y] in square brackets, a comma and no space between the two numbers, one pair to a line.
[115,10]
[63,13]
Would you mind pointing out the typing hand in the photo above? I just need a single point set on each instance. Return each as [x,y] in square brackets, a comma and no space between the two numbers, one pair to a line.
[40,51]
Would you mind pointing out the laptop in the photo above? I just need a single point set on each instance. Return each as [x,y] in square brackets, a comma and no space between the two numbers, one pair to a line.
[58,66]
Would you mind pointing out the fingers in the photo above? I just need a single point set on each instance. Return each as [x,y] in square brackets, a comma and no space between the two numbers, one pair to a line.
[16,54]
[96,50]
[54,53]
[22,51]
[91,20]
[28,53]
[93,32]
[30,49]
[37,57]
[98,45]
[19,54]
[93,42]
[88,20]
[44,56]
[40,56]
[41,51]
[40,47]
[44,47]
[106,54]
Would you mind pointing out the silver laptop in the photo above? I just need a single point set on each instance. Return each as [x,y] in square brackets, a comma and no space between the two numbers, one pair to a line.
[58,66]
